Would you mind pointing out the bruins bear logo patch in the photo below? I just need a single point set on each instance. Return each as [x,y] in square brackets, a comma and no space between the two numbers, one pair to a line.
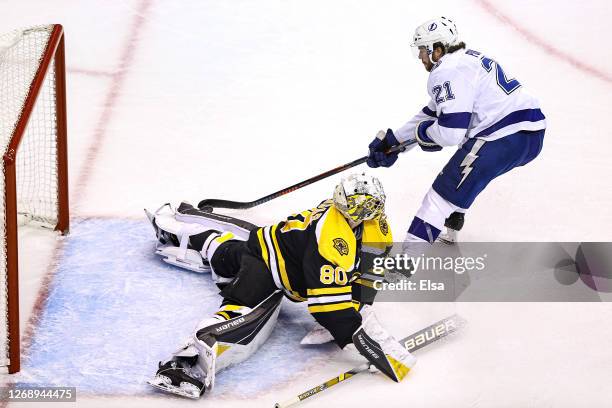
[341,246]
[384,227]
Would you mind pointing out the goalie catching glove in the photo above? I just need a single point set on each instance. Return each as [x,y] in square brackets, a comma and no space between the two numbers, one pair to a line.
[381,349]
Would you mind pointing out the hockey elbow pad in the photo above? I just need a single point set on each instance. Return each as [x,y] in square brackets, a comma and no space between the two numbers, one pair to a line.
[423,140]
[382,350]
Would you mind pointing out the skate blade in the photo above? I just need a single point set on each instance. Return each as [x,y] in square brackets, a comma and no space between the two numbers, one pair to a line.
[162,385]
[445,241]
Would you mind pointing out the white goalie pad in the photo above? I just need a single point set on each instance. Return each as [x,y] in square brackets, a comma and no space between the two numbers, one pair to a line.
[183,258]
[217,222]
[164,219]
[223,343]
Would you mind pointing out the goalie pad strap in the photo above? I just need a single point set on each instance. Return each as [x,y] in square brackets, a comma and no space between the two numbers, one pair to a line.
[243,329]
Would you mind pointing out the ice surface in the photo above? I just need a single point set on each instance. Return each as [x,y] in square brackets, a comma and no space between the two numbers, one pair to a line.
[185,100]
[115,309]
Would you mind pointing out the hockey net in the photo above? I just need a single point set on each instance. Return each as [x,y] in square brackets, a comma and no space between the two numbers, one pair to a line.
[33,184]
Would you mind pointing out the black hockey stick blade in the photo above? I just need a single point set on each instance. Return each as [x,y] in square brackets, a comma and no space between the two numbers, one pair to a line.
[210,203]
[414,342]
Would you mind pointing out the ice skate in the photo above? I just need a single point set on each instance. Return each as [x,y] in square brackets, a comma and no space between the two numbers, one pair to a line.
[171,377]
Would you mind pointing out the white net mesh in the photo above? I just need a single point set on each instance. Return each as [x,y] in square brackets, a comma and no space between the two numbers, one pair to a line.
[21,53]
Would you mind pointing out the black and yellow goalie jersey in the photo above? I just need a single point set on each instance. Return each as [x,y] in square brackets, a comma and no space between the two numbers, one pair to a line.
[314,256]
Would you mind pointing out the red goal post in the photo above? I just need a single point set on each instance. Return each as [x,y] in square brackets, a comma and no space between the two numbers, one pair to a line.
[35,163]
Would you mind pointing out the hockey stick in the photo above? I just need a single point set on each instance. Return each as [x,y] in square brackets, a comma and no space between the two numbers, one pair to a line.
[414,342]
[208,204]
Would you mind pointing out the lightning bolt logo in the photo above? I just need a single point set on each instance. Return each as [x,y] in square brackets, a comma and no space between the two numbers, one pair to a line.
[469,159]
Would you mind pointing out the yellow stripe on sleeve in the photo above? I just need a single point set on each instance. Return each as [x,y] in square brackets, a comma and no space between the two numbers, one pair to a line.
[264,250]
[328,291]
[365,282]
[330,308]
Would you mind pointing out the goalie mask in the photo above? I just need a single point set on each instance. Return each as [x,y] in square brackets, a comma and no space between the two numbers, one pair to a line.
[359,197]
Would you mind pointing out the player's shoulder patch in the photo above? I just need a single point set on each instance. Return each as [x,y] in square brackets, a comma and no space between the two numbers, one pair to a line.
[383,225]
[335,239]
[377,234]
[341,246]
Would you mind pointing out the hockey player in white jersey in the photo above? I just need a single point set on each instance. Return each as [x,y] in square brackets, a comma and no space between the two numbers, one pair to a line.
[475,105]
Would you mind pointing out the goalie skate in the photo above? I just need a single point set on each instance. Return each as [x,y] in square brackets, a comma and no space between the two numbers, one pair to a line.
[173,379]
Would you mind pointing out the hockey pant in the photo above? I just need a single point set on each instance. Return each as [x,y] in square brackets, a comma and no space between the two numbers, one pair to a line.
[473,166]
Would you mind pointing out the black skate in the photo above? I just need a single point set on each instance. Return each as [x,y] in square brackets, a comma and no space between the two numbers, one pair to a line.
[452,225]
[173,378]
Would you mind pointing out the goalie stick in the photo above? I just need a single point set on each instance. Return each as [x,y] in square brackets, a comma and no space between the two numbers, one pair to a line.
[209,203]
[414,342]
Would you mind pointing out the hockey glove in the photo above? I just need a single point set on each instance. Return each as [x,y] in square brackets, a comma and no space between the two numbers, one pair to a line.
[320,335]
[382,350]
[381,143]
[423,140]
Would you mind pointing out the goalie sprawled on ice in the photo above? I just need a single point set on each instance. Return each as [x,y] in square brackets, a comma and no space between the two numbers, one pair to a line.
[311,256]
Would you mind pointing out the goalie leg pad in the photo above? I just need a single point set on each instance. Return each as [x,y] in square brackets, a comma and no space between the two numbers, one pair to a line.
[170,231]
[229,337]
[236,339]
[176,240]
[185,242]
[240,228]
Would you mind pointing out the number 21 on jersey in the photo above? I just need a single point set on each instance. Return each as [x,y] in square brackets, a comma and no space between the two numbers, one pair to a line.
[448,92]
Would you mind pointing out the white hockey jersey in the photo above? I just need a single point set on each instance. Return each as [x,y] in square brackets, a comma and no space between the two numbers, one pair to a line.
[472,96]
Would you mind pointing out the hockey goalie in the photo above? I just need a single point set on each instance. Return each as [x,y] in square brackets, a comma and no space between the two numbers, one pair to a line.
[312,256]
